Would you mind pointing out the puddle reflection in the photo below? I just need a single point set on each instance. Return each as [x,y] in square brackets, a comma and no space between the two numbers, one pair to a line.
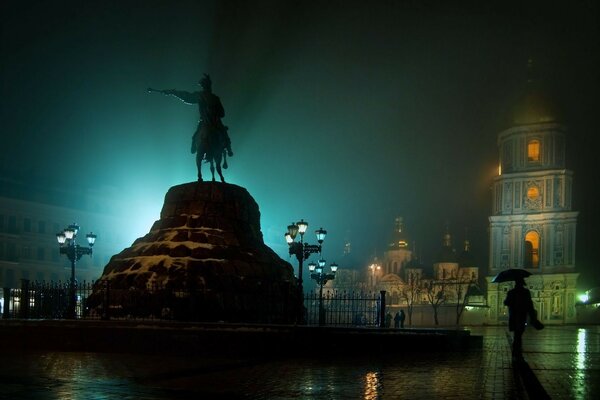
[371,386]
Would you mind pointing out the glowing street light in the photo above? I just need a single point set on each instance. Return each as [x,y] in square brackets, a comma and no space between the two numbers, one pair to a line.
[321,277]
[302,251]
[68,246]
[375,268]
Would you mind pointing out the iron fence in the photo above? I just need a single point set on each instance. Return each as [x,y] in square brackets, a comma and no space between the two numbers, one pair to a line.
[97,300]
[342,308]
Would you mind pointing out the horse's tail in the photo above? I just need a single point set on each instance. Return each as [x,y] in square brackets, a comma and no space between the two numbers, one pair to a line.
[225,160]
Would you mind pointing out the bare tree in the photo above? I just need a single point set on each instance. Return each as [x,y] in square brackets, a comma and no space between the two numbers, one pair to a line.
[436,295]
[462,284]
[411,292]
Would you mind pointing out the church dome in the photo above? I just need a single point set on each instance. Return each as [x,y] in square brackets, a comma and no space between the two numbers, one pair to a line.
[535,104]
[399,238]
[465,258]
[446,253]
[534,107]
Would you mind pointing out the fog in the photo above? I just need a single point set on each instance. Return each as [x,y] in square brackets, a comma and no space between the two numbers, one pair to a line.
[344,114]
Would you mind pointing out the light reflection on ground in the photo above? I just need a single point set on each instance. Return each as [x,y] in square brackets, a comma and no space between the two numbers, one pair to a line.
[554,353]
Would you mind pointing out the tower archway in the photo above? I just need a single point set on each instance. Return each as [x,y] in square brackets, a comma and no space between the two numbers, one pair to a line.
[532,250]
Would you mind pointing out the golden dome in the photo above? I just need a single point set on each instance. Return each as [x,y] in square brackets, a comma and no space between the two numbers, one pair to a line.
[535,105]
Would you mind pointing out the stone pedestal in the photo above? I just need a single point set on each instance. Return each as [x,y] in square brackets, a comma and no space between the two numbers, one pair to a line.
[204,259]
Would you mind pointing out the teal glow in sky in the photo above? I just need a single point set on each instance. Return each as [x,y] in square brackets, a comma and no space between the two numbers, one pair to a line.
[344,114]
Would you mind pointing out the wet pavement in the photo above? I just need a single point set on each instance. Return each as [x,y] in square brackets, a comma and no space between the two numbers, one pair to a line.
[565,360]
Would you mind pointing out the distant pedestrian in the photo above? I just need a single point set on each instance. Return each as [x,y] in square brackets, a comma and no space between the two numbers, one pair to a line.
[519,303]
[388,320]
[402,318]
[397,320]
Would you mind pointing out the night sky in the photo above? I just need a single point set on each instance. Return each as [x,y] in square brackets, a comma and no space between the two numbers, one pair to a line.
[346,114]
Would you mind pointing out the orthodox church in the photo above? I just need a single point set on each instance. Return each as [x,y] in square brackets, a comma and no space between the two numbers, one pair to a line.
[532,225]
[434,293]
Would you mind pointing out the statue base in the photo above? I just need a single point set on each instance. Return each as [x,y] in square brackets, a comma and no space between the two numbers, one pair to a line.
[203,260]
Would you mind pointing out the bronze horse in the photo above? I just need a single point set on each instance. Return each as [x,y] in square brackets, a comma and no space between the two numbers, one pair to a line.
[211,141]
[209,144]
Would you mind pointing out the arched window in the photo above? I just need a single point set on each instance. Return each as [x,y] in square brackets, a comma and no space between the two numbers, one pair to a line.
[532,250]
[533,150]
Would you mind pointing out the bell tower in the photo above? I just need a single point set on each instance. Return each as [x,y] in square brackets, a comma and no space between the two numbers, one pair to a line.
[532,225]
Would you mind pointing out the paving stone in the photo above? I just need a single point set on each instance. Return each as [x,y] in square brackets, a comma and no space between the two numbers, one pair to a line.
[565,360]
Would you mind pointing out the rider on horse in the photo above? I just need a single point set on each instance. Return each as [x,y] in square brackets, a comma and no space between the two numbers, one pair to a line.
[211,140]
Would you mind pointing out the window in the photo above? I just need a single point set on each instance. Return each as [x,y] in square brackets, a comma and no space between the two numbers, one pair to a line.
[533,193]
[26,225]
[26,252]
[10,278]
[40,253]
[42,227]
[532,250]
[533,150]
[11,252]
[12,224]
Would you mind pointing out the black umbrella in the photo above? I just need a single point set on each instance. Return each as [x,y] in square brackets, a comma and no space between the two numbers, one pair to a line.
[511,274]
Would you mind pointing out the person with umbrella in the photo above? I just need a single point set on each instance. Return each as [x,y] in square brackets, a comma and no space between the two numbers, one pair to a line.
[519,303]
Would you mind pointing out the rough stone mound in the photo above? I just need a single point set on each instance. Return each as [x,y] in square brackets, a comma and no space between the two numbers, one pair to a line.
[205,259]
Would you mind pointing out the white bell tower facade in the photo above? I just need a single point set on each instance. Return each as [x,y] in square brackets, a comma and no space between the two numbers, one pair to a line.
[532,225]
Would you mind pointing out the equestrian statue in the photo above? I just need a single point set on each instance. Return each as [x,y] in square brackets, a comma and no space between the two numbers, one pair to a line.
[211,141]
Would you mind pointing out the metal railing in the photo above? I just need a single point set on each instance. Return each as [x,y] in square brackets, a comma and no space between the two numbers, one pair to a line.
[98,300]
[342,308]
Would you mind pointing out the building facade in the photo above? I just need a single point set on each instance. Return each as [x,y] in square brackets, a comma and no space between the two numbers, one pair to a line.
[532,225]
[31,217]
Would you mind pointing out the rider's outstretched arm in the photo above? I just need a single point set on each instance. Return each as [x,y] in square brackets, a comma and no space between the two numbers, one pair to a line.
[186,97]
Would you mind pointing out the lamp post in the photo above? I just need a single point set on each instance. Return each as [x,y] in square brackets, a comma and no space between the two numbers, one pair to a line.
[375,267]
[301,249]
[68,246]
[321,278]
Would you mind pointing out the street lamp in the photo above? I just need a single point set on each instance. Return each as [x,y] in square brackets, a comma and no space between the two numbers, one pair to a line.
[375,267]
[318,274]
[68,246]
[302,251]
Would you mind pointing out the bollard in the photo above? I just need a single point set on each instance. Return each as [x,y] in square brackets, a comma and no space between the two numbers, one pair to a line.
[382,309]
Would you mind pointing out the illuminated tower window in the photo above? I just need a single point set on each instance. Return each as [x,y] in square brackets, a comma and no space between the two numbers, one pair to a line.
[532,250]
[533,193]
[533,150]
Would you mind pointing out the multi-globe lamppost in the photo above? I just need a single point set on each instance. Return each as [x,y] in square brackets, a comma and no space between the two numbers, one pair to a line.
[302,251]
[69,247]
[375,267]
[321,277]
